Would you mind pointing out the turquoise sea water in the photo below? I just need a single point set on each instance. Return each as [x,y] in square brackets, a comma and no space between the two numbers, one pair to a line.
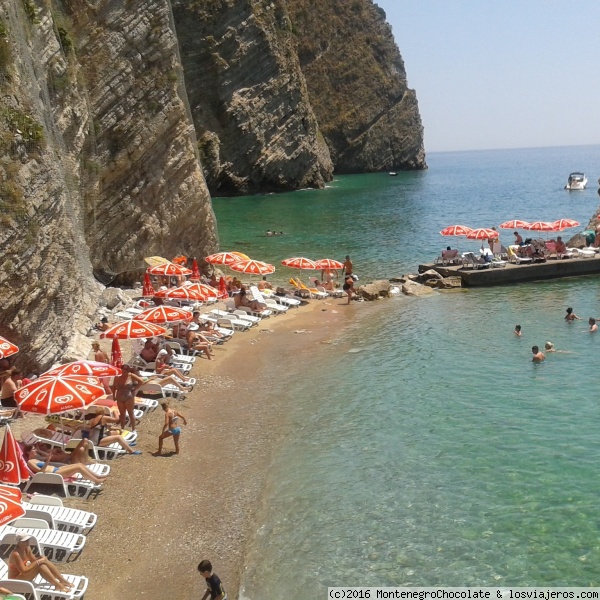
[434,452]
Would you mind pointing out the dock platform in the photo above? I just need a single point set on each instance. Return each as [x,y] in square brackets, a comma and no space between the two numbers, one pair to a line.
[511,273]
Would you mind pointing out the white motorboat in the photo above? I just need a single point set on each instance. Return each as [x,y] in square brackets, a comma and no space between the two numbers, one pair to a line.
[577,181]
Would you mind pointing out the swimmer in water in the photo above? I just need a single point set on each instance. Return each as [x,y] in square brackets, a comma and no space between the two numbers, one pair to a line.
[571,316]
[517,331]
[538,356]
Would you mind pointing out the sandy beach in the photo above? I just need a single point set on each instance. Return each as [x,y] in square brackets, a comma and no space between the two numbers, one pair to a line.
[159,516]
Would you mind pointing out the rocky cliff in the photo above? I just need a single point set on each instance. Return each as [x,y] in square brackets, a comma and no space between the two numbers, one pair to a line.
[357,85]
[98,161]
[254,122]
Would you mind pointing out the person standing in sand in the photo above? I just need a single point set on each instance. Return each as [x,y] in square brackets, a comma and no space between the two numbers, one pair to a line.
[214,587]
[99,355]
[170,427]
[538,356]
[348,287]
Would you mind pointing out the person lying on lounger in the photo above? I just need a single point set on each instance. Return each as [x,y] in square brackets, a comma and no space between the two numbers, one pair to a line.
[24,565]
[79,455]
[39,466]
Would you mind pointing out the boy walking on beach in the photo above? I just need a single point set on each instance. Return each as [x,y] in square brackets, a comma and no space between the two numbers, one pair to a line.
[214,587]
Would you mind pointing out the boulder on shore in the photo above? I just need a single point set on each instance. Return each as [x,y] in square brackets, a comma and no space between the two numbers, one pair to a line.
[412,288]
[375,290]
[429,275]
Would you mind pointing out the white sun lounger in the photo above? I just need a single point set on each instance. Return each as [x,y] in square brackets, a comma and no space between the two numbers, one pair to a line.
[58,546]
[64,518]
[56,484]
[40,589]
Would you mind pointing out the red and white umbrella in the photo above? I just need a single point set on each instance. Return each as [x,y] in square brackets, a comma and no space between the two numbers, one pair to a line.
[13,467]
[181,293]
[561,224]
[539,226]
[481,234]
[8,491]
[133,329]
[223,258]
[148,290]
[169,269]
[57,394]
[84,367]
[299,262]
[7,348]
[253,267]
[514,224]
[206,290]
[195,276]
[456,230]
[165,314]
[328,264]
[10,509]
[116,356]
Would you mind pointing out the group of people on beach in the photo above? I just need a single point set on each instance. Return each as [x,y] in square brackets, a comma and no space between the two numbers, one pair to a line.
[570,317]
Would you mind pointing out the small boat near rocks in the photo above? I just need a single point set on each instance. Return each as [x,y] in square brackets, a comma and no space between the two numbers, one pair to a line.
[576,181]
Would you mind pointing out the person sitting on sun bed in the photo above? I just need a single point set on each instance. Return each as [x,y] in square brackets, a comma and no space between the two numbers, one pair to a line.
[241,300]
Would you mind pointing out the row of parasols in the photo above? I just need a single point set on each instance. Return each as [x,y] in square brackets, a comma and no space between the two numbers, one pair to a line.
[483,233]
[236,261]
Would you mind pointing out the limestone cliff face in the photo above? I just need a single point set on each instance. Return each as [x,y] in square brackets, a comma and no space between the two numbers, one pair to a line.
[98,161]
[256,128]
[357,85]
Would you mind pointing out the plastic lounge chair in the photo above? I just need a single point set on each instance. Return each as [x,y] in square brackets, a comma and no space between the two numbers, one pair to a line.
[514,257]
[245,314]
[64,488]
[39,589]
[58,546]
[477,262]
[244,323]
[287,301]
[275,306]
[64,518]
[582,252]
[154,389]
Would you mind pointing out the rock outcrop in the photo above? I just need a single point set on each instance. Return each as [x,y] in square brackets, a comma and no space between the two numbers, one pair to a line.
[375,290]
[357,86]
[98,161]
[256,128]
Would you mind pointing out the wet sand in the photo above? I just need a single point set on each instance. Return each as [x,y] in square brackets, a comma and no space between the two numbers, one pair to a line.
[159,516]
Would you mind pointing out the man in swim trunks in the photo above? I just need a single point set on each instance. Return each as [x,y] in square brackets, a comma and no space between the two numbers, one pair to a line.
[347,268]
[538,356]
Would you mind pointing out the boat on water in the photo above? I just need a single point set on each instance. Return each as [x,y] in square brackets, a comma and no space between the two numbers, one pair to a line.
[393,174]
[577,181]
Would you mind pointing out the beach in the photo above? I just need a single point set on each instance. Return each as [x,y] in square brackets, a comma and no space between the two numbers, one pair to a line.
[159,516]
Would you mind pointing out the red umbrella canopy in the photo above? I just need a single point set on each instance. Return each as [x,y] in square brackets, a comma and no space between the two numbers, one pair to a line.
[133,329]
[206,290]
[564,224]
[7,348]
[116,356]
[456,230]
[169,269]
[514,224]
[84,367]
[180,293]
[53,395]
[8,491]
[13,467]
[148,290]
[481,234]
[328,264]
[253,267]
[195,276]
[539,226]
[223,258]
[165,314]
[299,262]
[10,509]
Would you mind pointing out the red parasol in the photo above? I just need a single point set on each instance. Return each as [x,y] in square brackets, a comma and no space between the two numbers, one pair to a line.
[57,394]
[7,348]
[165,314]
[539,226]
[456,230]
[180,293]
[10,509]
[13,467]
[481,234]
[326,264]
[253,267]
[8,491]
[133,329]
[84,367]
[195,276]
[148,291]
[223,292]
[514,224]
[116,357]
[223,258]
[564,224]
[299,262]
[206,290]
[168,270]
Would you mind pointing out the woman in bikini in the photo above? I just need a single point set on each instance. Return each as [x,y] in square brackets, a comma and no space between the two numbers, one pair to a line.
[11,382]
[170,427]
[124,388]
[24,565]
[39,466]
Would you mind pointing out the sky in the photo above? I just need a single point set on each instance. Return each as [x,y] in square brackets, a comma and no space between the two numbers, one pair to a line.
[501,73]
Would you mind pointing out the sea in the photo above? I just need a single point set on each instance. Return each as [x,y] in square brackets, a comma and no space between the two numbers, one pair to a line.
[423,447]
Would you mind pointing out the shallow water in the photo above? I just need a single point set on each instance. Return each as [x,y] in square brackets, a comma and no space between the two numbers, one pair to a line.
[424,447]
